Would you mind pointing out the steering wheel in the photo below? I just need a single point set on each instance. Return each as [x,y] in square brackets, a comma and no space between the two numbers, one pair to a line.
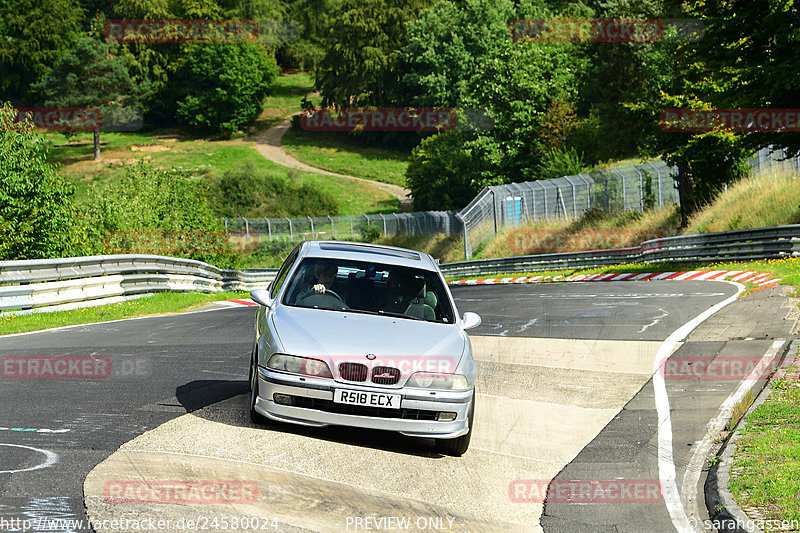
[311,293]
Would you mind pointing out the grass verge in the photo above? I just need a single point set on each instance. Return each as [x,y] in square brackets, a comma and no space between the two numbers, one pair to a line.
[344,154]
[765,475]
[158,304]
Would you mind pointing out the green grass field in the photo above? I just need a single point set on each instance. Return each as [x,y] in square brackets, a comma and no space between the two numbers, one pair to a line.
[287,92]
[766,467]
[209,158]
[341,153]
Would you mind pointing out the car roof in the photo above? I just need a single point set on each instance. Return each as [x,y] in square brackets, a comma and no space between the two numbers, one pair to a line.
[375,253]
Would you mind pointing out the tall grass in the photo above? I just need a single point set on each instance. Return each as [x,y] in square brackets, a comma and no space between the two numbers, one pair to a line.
[771,199]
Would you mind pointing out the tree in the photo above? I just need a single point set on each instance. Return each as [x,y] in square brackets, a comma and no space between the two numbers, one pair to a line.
[36,205]
[446,47]
[362,52]
[748,58]
[623,73]
[33,35]
[440,173]
[223,85]
[90,76]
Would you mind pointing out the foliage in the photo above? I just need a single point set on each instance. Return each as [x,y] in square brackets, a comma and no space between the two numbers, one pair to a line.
[37,215]
[362,43]
[90,75]
[558,162]
[223,85]
[33,35]
[440,173]
[619,74]
[152,210]
[446,46]
[369,232]
[250,191]
[747,58]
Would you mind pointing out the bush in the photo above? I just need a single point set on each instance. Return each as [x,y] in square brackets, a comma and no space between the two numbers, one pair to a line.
[369,232]
[439,173]
[558,162]
[156,211]
[249,191]
[224,85]
[37,213]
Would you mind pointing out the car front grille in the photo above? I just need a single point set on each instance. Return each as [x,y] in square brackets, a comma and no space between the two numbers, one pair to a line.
[362,410]
[385,375]
[353,371]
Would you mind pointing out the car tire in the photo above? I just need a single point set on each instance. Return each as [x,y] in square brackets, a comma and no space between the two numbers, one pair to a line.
[458,446]
[255,416]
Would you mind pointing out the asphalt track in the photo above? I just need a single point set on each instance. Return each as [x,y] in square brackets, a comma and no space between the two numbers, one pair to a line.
[565,392]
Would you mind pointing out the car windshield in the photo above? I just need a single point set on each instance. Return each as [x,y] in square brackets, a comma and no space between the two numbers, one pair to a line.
[371,288]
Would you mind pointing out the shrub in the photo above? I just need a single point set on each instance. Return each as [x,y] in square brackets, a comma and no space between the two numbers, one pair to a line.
[37,213]
[224,85]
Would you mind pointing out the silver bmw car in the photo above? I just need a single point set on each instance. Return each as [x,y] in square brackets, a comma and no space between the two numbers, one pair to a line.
[363,335]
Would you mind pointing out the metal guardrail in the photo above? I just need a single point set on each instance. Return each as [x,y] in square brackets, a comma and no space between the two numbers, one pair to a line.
[45,282]
[742,245]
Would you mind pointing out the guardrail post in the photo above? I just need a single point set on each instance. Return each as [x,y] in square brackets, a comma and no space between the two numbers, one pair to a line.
[544,195]
[624,190]
[641,187]
[333,227]
[269,228]
[312,227]
[464,235]
[291,231]
[494,209]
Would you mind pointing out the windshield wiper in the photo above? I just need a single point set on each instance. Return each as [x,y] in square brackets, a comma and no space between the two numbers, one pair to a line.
[382,313]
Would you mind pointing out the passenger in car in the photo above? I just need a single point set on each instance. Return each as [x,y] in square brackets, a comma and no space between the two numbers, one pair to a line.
[405,295]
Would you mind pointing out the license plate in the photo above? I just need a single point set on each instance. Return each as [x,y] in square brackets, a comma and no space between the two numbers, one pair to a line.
[372,399]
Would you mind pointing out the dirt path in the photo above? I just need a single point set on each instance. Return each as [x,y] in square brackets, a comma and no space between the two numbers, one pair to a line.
[268,144]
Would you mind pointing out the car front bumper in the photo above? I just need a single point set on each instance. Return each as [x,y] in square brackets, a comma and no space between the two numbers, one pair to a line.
[316,397]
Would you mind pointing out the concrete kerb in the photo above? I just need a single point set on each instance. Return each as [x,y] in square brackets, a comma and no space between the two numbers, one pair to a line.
[730,516]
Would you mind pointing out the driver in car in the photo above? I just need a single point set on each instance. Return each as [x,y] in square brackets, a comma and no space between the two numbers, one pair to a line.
[325,274]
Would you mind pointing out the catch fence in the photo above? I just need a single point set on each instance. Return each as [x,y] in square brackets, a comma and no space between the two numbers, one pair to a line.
[636,187]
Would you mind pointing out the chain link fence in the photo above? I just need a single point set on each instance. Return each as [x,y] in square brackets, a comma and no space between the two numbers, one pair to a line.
[345,227]
[774,160]
[614,190]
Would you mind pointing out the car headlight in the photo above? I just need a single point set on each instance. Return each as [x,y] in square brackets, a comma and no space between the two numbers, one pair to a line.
[306,366]
[430,380]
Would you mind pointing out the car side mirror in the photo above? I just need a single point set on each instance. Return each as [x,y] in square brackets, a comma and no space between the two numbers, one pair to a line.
[262,297]
[471,320]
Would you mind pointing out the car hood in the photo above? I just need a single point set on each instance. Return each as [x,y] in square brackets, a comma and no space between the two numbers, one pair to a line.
[347,336]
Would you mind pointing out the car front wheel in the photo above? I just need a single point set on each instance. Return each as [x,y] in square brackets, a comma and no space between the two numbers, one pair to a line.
[458,446]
